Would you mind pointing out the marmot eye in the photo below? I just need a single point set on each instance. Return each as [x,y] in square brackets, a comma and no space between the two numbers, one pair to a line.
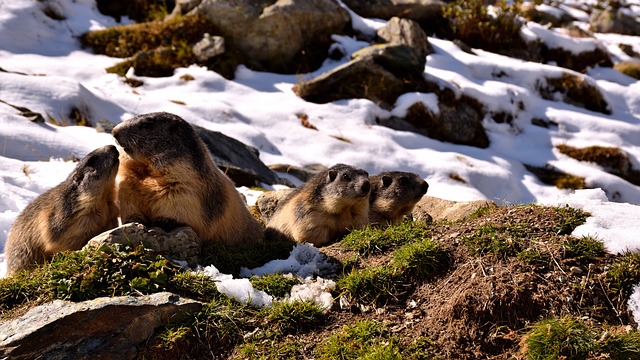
[346,177]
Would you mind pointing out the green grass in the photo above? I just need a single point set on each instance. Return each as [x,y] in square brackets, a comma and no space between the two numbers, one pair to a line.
[287,317]
[276,285]
[623,275]
[420,259]
[373,241]
[572,338]
[567,338]
[369,339]
[584,248]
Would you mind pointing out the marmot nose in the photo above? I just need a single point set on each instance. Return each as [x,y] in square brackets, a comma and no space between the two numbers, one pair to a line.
[366,186]
[424,187]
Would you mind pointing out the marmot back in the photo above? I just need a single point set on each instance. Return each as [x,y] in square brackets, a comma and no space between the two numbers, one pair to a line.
[168,176]
[326,207]
[393,196]
[68,215]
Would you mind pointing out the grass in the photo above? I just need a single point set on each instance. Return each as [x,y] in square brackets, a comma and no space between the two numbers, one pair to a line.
[369,339]
[471,22]
[229,259]
[572,338]
[287,317]
[623,275]
[566,338]
[611,159]
[629,68]
[552,176]
[374,241]
[276,285]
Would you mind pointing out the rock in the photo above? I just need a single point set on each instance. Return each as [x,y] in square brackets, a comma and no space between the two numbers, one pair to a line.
[379,73]
[458,121]
[418,10]
[303,173]
[209,47]
[268,201]
[240,162]
[105,126]
[400,31]
[181,244]
[575,89]
[440,209]
[276,35]
[614,21]
[103,328]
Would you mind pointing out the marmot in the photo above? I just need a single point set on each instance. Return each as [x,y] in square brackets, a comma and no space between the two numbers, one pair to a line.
[393,196]
[68,215]
[328,206]
[168,176]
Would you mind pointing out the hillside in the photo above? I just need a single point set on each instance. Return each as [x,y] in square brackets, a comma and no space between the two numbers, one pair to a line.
[520,103]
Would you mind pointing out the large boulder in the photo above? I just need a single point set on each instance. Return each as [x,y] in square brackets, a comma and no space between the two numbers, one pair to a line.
[614,21]
[458,121]
[275,35]
[399,31]
[103,328]
[379,73]
[239,161]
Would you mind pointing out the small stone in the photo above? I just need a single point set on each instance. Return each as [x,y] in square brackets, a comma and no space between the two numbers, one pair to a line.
[576,270]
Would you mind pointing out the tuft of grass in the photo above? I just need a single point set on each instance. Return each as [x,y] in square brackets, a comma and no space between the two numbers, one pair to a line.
[271,348]
[568,219]
[375,240]
[584,248]
[471,22]
[612,160]
[276,285]
[369,339]
[629,68]
[621,345]
[286,317]
[566,338]
[622,276]
[420,259]
[371,285]
[552,176]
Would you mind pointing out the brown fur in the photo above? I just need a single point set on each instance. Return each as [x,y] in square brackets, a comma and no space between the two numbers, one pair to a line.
[325,208]
[393,196]
[167,175]
[67,216]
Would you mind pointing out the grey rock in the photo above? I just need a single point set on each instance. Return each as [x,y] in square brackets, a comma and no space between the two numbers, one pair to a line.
[439,209]
[209,47]
[399,31]
[103,328]
[303,173]
[181,244]
[379,73]
[614,21]
[239,161]
[270,34]
[105,126]
[268,201]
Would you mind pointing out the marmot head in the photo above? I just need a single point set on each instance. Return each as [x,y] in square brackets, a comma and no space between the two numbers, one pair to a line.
[160,139]
[97,168]
[397,188]
[345,182]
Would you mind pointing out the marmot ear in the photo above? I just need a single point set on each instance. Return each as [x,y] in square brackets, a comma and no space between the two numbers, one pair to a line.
[332,175]
[386,180]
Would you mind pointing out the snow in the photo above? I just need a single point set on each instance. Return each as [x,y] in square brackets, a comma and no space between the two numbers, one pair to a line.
[45,69]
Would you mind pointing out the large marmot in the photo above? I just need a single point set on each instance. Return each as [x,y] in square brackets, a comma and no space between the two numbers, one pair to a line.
[326,207]
[168,176]
[68,215]
[393,196]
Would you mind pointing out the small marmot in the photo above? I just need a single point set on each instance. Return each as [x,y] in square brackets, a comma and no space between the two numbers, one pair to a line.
[393,196]
[328,206]
[68,215]
[167,176]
